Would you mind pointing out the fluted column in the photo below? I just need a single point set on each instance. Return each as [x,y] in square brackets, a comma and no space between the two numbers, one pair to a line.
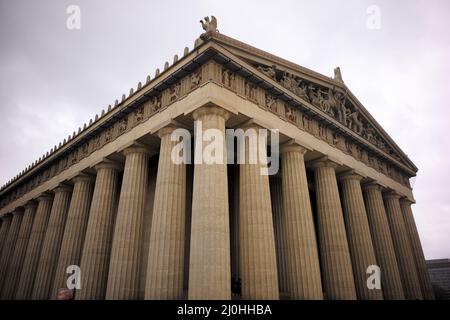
[303,267]
[52,244]
[97,244]
[391,284]
[75,230]
[358,234]
[337,271]
[402,247]
[6,223]
[257,256]
[33,250]
[166,258]
[419,258]
[280,238]
[124,267]
[10,243]
[17,259]
[209,264]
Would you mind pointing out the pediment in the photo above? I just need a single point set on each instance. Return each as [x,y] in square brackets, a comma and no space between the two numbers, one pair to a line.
[329,95]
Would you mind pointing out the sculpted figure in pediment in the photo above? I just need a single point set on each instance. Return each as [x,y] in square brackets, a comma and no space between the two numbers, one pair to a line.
[268,71]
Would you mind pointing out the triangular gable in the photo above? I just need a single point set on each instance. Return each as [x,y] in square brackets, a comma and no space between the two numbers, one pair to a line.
[324,93]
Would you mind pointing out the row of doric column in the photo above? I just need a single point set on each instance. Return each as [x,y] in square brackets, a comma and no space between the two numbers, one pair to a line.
[97,222]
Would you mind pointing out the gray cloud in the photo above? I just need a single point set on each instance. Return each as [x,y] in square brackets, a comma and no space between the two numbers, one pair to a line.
[52,80]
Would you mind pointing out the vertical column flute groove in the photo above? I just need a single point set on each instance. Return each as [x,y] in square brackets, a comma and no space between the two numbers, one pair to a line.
[303,267]
[402,247]
[16,264]
[358,234]
[52,244]
[10,243]
[419,258]
[99,232]
[34,247]
[124,268]
[209,263]
[338,281]
[166,258]
[75,230]
[280,238]
[6,224]
[382,242]
[258,265]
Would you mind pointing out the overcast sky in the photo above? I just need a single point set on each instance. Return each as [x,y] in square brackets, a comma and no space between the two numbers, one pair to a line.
[53,79]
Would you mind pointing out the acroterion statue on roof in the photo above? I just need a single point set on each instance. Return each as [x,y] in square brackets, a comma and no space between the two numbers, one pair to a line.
[209,25]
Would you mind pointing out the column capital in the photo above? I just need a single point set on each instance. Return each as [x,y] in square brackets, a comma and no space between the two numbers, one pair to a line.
[62,188]
[372,186]
[136,148]
[166,130]
[18,211]
[107,164]
[81,177]
[406,201]
[31,204]
[249,124]
[44,197]
[323,162]
[211,110]
[349,175]
[292,147]
[392,195]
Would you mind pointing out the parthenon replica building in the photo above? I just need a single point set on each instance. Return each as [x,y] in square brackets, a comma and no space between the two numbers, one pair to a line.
[111,200]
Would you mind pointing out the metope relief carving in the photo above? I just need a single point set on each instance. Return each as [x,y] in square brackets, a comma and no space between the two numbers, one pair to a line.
[123,124]
[290,113]
[250,90]
[139,114]
[155,103]
[109,134]
[196,78]
[174,92]
[228,78]
[270,102]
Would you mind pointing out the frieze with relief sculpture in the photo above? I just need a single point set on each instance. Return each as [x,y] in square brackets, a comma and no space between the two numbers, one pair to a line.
[332,102]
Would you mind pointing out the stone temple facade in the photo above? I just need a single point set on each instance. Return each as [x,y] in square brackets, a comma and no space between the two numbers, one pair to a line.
[111,200]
